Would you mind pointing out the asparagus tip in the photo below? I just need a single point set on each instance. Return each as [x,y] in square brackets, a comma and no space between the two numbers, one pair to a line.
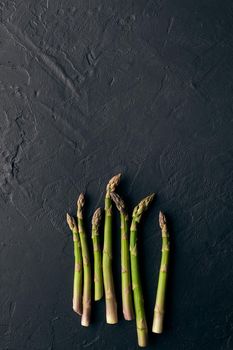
[96,218]
[81,201]
[149,199]
[118,201]
[70,221]
[113,183]
[143,205]
[162,220]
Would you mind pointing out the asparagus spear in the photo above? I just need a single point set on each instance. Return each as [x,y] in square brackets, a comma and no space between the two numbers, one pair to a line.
[85,321]
[98,274]
[161,289]
[110,297]
[142,330]
[78,266]
[126,291]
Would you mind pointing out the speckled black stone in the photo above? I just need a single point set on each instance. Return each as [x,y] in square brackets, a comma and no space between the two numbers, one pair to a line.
[91,88]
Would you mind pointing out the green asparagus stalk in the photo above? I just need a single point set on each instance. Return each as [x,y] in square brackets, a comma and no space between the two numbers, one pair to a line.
[98,274]
[78,266]
[86,315]
[126,289]
[161,289]
[142,329]
[110,297]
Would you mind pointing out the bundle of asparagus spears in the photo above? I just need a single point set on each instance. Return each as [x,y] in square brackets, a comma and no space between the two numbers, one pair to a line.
[131,286]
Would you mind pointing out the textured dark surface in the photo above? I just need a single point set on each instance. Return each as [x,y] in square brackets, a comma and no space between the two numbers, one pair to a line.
[91,88]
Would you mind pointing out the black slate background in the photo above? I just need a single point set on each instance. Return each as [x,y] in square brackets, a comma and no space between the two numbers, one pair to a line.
[92,88]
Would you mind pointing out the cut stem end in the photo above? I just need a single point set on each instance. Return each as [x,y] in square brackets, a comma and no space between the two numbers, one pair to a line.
[142,338]
[77,308]
[111,312]
[157,324]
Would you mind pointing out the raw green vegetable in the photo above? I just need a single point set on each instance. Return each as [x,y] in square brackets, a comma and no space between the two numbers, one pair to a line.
[98,273]
[161,290]
[141,324]
[110,297]
[86,315]
[78,266]
[126,288]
